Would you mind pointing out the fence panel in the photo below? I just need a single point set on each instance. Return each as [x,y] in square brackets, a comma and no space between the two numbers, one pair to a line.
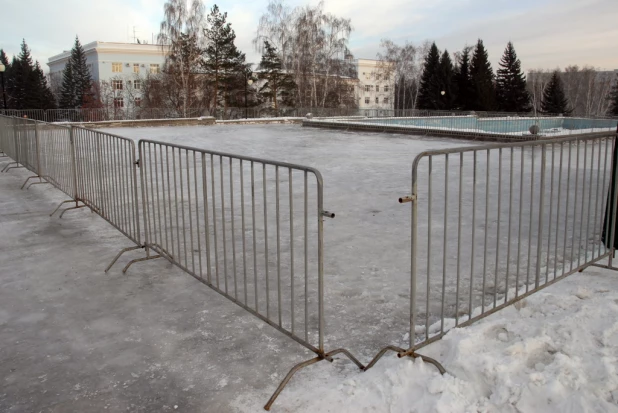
[250,229]
[26,142]
[107,179]
[495,223]
[7,137]
[57,158]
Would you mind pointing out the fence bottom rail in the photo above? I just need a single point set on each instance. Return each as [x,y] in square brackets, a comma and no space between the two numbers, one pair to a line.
[405,353]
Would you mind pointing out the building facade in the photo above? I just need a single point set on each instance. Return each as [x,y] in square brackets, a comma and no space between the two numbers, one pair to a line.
[118,69]
[375,87]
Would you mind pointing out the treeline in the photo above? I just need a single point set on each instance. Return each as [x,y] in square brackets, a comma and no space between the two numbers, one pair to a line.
[25,84]
[427,78]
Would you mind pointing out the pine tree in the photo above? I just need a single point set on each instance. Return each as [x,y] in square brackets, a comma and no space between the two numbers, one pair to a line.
[448,84]
[482,79]
[429,91]
[68,91]
[511,92]
[7,78]
[554,100]
[222,60]
[278,84]
[464,84]
[20,84]
[613,96]
[44,96]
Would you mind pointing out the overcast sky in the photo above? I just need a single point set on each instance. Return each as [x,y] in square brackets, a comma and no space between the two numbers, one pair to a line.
[546,33]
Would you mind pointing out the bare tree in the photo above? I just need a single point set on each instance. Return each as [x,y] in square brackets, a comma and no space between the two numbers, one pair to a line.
[181,35]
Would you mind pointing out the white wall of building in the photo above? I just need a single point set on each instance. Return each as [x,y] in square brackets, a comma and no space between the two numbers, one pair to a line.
[374,90]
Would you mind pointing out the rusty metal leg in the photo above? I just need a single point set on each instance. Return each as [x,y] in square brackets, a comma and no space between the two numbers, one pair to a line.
[29,178]
[10,166]
[37,183]
[381,353]
[77,206]
[413,354]
[348,355]
[119,254]
[124,270]
[287,379]
[58,207]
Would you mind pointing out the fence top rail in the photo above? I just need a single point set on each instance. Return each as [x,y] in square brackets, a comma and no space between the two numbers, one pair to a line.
[317,173]
[503,145]
[111,135]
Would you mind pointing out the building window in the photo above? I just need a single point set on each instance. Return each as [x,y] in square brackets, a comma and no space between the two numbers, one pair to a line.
[154,68]
[117,67]
[138,102]
[137,84]
[118,102]
[386,88]
[367,100]
[135,67]
[385,100]
[117,84]
[367,88]
[377,100]
[377,88]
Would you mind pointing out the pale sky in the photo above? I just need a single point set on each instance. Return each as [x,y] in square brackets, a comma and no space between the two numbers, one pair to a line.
[546,33]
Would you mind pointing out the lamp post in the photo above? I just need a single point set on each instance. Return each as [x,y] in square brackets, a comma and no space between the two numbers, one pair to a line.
[2,69]
[248,82]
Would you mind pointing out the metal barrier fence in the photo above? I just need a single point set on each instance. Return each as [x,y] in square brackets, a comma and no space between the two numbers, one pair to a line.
[493,224]
[249,228]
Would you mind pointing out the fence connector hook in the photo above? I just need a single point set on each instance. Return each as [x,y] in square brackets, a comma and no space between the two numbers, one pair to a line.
[137,163]
[407,198]
[328,214]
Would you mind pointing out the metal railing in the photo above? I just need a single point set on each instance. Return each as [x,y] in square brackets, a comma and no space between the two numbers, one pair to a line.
[493,224]
[249,228]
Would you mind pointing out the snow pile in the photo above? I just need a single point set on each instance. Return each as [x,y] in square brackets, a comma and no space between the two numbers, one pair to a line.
[556,351]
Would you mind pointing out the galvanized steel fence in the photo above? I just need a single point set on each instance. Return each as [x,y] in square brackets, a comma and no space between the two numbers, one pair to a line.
[493,224]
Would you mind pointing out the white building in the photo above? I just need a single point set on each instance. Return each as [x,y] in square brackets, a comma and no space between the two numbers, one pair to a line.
[121,65]
[375,89]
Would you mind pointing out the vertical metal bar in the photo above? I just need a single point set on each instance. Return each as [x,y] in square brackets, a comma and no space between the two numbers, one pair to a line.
[444,241]
[575,203]
[233,229]
[306,262]
[242,213]
[498,225]
[614,207]
[508,246]
[606,208]
[152,190]
[521,207]
[461,157]
[551,210]
[253,231]
[595,226]
[539,244]
[559,202]
[187,159]
[581,212]
[473,241]
[178,259]
[291,247]
[206,220]
[566,210]
[278,244]
[266,240]
[214,216]
[223,222]
[428,292]
[197,216]
[73,164]
[530,223]
[486,230]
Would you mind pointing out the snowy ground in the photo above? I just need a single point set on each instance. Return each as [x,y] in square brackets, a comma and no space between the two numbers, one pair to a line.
[74,339]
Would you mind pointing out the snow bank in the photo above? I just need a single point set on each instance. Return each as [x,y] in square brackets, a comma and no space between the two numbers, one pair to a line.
[556,351]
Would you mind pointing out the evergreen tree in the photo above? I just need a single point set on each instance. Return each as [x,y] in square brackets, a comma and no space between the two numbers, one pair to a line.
[44,96]
[429,92]
[554,100]
[511,92]
[448,84]
[482,79]
[20,83]
[464,84]
[7,76]
[613,96]
[68,91]
[81,73]
[278,85]
[222,60]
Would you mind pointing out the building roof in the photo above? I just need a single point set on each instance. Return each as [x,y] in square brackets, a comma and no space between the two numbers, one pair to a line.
[112,47]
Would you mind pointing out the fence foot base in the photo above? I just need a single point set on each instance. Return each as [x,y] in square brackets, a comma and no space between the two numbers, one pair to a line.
[607,267]
[154,257]
[58,207]
[69,209]
[11,165]
[119,255]
[299,366]
[37,183]
[405,353]
[32,177]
